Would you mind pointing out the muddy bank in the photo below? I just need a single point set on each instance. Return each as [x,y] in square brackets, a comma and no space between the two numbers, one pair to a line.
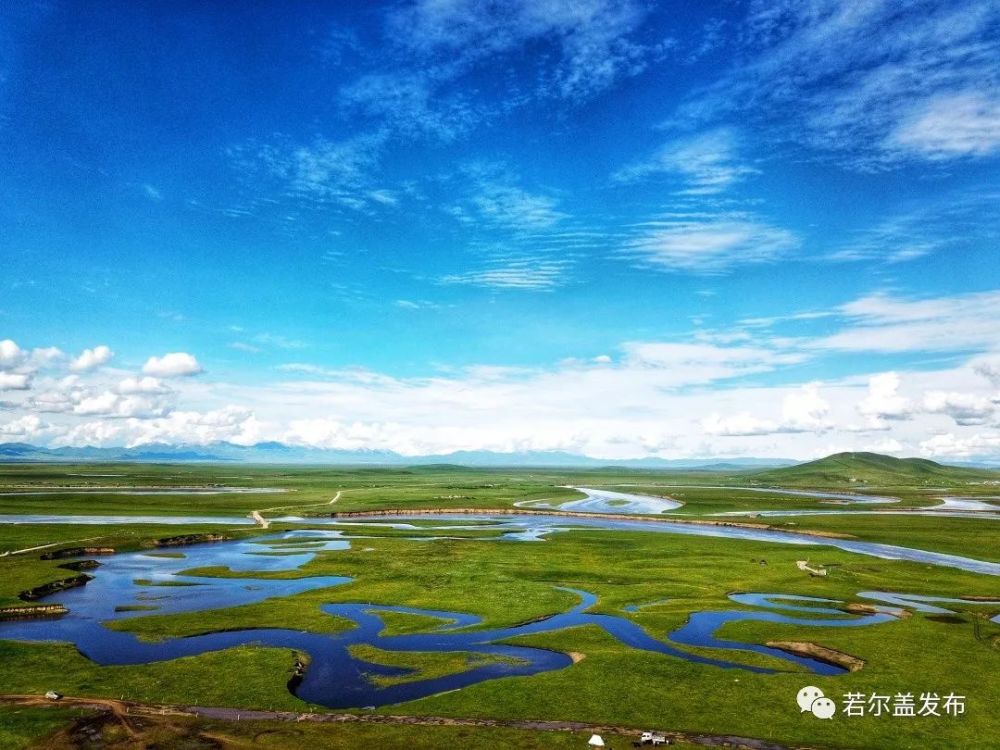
[81,565]
[299,667]
[820,653]
[31,613]
[51,588]
[361,514]
[62,554]
[180,541]
[856,608]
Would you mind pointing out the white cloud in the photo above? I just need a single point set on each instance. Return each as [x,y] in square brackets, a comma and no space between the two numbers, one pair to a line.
[322,172]
[14,381]
[242,346]
[46,356]
[866,82]
[134,385]
[231,424]
[888,324]
[712,243]
[91,359]
[707,162]
[11,355]
[409,103]
[29,428]
[964,408]
[806,409]
[884,401]
[949,445]
[115,405]
[946,126]
[739,425]
[988,367]
[172,365]
[529,274]
[593,39]
[953,221]
[665,398]
[802,410]
[496,198]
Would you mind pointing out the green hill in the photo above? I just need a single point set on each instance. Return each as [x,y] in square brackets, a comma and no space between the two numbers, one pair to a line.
[872,468]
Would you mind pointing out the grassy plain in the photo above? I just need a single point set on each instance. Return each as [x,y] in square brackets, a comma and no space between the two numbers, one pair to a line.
[508,583]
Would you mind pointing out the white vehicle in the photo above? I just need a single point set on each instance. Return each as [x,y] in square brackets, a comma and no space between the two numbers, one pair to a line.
[648,738]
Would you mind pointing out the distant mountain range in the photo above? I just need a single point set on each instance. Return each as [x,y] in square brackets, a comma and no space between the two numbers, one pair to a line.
[871,468]
[279,453]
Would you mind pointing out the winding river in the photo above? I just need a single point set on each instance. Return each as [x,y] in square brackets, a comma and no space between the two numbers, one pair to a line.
[131,585]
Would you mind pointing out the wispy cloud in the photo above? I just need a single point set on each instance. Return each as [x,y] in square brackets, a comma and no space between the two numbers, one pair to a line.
[529,274]
[495,197]
[409,104]
[948,221]
[949,125]
[708,243]
[884,323]
[707,163]
[595,43]
[867,82]
[324,172]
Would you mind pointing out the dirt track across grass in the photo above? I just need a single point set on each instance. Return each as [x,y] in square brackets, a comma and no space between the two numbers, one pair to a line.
[122,710]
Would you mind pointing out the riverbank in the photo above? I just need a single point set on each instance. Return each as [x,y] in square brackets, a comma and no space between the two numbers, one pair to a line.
[403,512]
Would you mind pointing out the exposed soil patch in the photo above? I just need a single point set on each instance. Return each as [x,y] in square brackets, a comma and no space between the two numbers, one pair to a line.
[32,613]
[180,541]
[62,554]
[81,565]
[820,653]
[51,588]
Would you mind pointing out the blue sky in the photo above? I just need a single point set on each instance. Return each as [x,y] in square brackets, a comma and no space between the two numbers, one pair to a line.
[611,227]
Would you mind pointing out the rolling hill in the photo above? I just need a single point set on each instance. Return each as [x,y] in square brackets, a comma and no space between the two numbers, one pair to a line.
[871,468]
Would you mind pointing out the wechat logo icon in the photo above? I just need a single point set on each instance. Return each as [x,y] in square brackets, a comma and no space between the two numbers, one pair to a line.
[811,698]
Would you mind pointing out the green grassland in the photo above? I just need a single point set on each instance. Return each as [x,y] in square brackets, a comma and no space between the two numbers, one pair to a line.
[508,583]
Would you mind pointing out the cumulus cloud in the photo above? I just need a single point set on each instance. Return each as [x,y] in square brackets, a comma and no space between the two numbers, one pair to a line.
[803,410]
[90,359]
[964,408]
[988,367]
[14,381]
[172,365]
[950,445]
[679,398]
[116,405]
[146,384]
[232,424]
[28,428]
[11,355]
[884,401]
[46,356]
